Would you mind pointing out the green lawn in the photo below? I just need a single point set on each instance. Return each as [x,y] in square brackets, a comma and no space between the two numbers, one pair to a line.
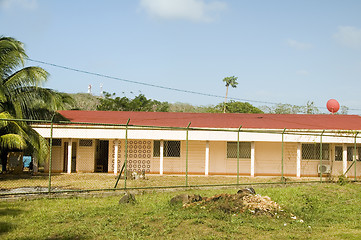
[328,211]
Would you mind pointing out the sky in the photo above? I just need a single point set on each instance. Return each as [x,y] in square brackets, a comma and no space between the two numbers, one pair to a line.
[281,51]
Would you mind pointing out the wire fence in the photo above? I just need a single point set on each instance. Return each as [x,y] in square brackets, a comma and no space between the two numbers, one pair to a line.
[108,157]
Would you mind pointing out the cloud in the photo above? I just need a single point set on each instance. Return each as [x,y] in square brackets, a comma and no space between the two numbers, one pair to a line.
[349,36]
[25,4]
[298,45]
[192,10]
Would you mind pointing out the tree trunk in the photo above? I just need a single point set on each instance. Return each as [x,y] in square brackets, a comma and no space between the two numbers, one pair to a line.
[4,159]
[225,101]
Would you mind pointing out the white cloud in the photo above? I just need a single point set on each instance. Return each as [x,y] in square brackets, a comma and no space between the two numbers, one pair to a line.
[298,45]
[193,10]
[25,4]
[349,36]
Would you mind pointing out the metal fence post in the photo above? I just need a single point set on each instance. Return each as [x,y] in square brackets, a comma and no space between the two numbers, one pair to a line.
[282,167]
[50,151]
[354,154]
[187,154]
[126,154]
[239,129]
[321,157]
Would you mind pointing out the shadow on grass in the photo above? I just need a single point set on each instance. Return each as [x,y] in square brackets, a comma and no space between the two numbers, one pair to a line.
[5,227]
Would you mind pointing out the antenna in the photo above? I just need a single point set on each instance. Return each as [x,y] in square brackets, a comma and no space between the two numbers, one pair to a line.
[101,89]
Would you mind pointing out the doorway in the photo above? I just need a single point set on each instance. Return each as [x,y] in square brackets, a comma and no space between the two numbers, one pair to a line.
[102,154]
[73,157]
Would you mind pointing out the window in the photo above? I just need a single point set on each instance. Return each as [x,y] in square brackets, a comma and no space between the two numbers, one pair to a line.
[338,153]
[312,151]
[350,153]
[85,142]
[244,150]
[56,142]
[170,149]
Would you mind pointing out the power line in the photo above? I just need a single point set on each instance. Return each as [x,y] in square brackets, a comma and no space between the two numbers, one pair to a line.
[157,86]
[143,83]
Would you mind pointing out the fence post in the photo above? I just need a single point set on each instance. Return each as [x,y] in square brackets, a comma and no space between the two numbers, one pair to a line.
[354,154]
[187,154]
[50,151]
[321,157]
[239,129]
[282,172]
[126,154]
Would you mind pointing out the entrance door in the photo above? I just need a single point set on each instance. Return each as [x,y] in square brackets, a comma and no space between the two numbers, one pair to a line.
[102,154]
[73,157]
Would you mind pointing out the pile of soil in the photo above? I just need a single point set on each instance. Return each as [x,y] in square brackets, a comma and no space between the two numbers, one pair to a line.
[235,203]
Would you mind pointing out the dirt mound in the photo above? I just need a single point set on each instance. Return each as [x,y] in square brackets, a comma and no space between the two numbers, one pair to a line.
[238,203]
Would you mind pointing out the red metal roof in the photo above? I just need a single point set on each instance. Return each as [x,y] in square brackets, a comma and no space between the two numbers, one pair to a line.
[218,120]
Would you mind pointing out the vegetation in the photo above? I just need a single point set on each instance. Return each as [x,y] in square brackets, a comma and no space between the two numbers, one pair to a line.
[139,103]
[322,211]
[229,81]
[21,97]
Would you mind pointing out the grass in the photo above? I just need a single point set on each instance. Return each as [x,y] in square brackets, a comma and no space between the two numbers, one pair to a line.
[105,181]
[328,211]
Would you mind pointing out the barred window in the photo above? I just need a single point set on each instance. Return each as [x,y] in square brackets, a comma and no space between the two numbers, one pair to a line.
[350,153]
[244,150]
[170,149]
[338,153]
[56,142]
[85,142]
[312,151]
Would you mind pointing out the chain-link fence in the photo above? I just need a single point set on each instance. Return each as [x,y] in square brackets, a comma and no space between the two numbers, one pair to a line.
[94,157]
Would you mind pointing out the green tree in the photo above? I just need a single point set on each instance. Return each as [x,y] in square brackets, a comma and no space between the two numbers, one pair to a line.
[139,103]
[229,81]
[237,107]
[22,97]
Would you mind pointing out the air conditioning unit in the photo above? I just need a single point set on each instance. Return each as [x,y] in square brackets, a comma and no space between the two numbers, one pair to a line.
[324,168]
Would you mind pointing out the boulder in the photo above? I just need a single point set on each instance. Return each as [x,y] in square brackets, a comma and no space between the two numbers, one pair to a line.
[185,199]
[127,198]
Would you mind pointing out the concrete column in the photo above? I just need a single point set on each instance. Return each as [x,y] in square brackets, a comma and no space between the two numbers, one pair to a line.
[344,158]
[161,157]
[253,158]
[116,146]
[298,160]
[70,148]
[206,164]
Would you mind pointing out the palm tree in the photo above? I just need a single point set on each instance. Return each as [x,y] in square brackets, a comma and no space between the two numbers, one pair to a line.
[22,97]
[230,81]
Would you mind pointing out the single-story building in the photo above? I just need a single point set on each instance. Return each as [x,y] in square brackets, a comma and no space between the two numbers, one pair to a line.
[296,145]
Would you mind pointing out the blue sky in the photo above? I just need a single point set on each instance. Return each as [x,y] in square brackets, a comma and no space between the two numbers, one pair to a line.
[281,51]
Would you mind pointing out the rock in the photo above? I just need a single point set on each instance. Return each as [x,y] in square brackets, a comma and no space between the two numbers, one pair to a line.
[127,198]
[247,191]
[185,199]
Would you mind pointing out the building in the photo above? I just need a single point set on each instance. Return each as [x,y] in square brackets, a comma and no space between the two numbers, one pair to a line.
[205,143]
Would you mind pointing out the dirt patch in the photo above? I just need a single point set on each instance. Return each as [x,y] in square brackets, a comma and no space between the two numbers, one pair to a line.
[237,203]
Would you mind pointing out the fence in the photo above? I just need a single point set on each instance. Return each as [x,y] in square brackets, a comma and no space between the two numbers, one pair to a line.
[94,157]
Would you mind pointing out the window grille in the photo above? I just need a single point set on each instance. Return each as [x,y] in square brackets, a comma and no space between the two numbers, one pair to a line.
[85,142]
[56,142]
[244,150]
[338,153]
[350,153]
[170,149]
[312,151]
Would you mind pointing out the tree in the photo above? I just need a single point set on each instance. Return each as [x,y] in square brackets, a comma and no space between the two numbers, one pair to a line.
[22,97]
[139,103]
[237,107]
[230,81]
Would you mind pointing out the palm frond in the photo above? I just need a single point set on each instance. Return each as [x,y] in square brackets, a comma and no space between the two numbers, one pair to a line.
[12,142]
